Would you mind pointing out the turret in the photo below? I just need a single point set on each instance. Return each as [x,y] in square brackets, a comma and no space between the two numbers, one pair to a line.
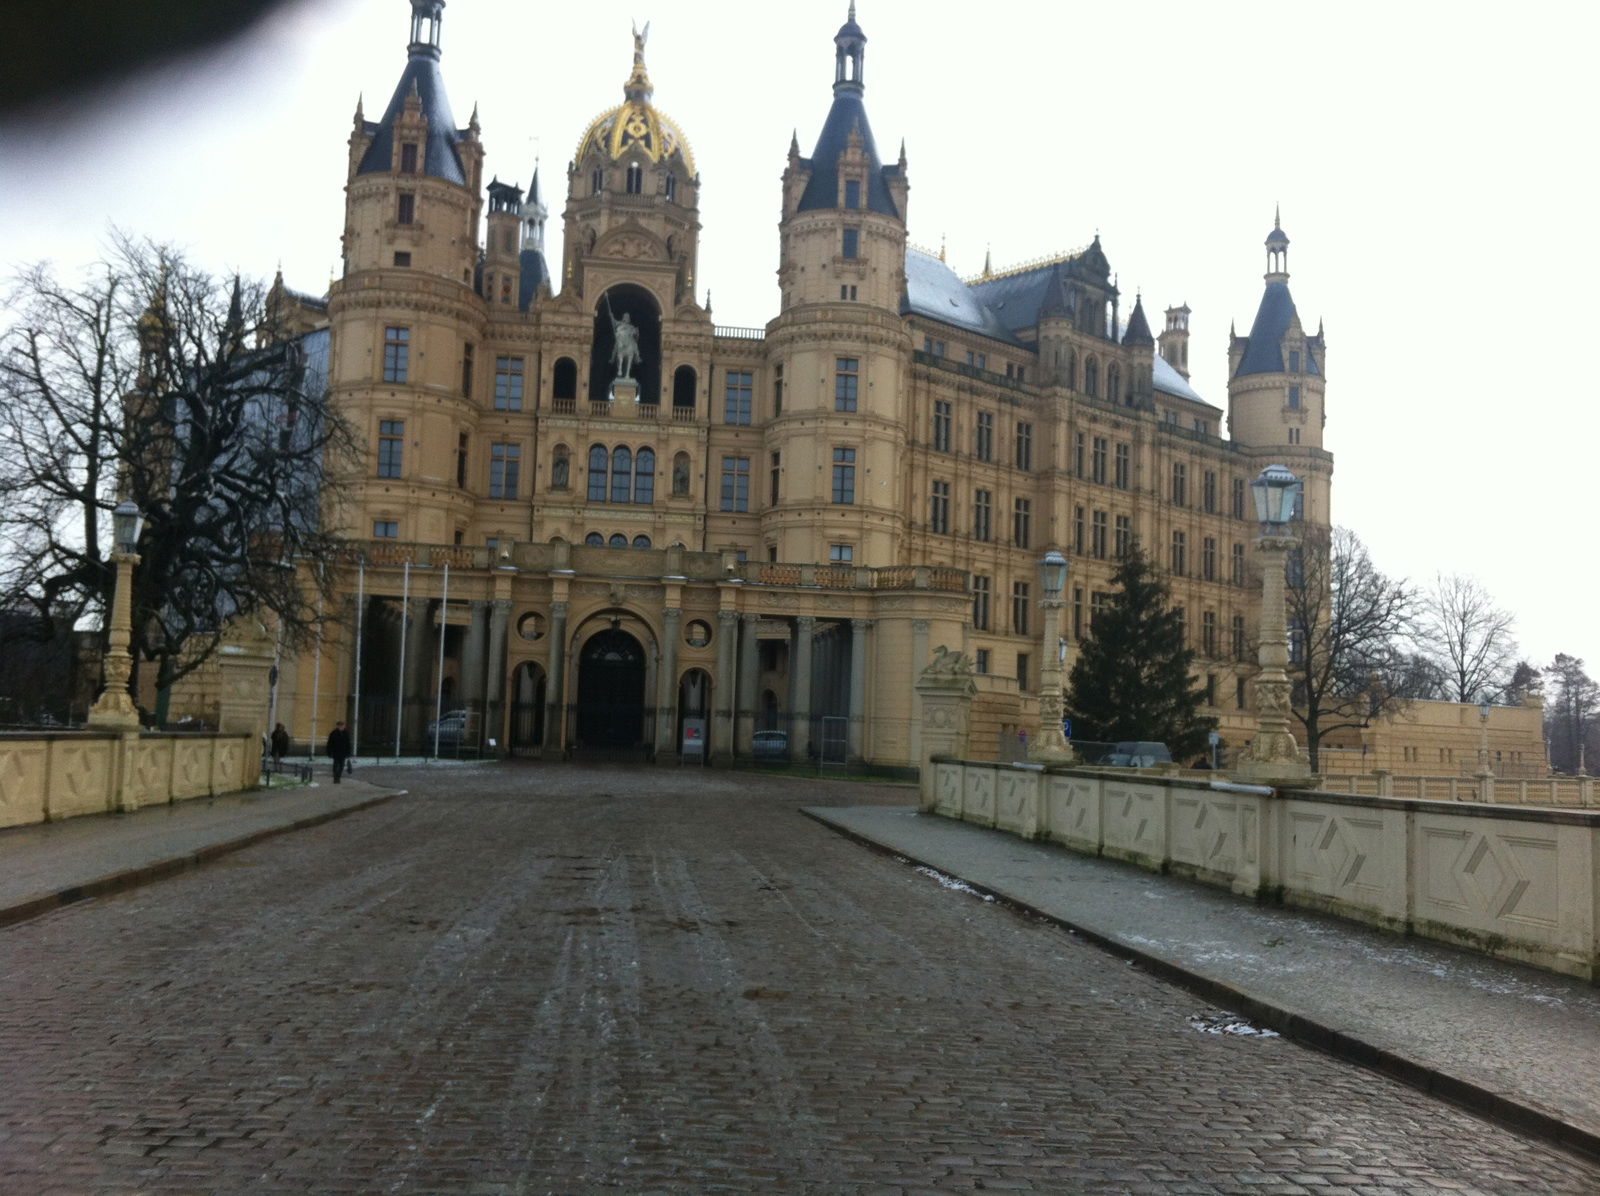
[503,252]
[1174,340]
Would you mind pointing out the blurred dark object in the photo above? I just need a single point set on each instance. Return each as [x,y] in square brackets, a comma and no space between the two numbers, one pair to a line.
[69,48]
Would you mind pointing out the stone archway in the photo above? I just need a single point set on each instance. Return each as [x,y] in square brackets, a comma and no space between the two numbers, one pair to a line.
[611,691]
[528,704]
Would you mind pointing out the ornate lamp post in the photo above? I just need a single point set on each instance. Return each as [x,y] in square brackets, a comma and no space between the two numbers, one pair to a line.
[1050,744]
[115,709]
[1273,756]
[1485,773]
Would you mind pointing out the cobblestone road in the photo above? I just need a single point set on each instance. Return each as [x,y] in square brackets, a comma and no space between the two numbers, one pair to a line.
[567,980]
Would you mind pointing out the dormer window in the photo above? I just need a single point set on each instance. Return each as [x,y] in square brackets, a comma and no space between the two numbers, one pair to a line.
[597,181]
[852,194]
[672,188]
[635,179]
[1294,361]
[408,158]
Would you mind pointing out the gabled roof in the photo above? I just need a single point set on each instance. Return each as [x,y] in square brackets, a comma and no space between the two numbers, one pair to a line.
[847,115]
[439,159]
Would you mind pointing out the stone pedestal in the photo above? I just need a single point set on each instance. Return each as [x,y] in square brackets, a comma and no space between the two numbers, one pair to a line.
[944,690]
[244,661]
[624,390]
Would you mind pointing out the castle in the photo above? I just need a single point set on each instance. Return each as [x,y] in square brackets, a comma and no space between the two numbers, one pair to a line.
[591,518]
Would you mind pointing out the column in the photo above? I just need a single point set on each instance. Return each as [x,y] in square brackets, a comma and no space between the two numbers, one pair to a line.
[749,681]
[555,686]
[667,684]
[919,661]
[800,687]
[724,687]
[420,649]
[858,687]
[494,705]
[1050,744]
[1273,756]
[472,663]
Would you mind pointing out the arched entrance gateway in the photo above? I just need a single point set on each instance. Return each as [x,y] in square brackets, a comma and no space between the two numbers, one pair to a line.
[611,688]
[527,708]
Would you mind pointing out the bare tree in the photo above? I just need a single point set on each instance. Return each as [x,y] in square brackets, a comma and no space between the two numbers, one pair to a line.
[1347,624]
[154,381]
[1569,718]
[1469,639]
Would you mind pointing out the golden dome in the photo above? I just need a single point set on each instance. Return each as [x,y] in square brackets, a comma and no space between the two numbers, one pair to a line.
[635,124]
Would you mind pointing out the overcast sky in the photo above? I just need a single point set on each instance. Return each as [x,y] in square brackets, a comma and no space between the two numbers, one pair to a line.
[1434,163]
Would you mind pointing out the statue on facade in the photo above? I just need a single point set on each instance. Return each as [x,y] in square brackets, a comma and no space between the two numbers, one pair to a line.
[558,472]
[680,477]
[624,342]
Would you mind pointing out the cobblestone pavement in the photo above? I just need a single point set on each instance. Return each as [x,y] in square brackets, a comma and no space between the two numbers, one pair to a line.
[559,979]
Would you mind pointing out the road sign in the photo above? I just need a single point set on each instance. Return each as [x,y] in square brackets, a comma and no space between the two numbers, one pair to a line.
[1066,727]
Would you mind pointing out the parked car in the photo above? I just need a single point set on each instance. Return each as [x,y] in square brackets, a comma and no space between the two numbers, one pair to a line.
[449,730]
[1139,754]
[770,745]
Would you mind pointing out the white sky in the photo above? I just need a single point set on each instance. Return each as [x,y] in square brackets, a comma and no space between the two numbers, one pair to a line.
[1433,162]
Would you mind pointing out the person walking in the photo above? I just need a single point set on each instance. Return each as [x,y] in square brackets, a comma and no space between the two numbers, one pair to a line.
[280,744]
[338,749]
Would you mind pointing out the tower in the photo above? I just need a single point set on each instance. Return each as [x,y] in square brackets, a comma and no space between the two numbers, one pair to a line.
[1174,339]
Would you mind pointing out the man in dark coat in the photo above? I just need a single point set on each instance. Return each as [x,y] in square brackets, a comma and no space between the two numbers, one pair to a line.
[338,749]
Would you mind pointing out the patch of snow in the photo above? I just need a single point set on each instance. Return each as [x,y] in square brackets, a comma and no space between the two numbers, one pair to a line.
[951,883]
[1227,1023]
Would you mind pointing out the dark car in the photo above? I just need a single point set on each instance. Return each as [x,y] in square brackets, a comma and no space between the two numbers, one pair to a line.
[770,745]
[1139,754]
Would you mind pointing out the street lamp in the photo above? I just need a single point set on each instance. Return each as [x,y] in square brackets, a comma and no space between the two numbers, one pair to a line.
[1273,755]
[115,709]
[1485,773]
[1050,744]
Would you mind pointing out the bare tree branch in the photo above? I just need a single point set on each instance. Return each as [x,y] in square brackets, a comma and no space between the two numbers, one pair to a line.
[1468,638]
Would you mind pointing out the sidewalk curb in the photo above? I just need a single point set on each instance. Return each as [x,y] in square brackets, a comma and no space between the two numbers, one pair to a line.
[1300,1027]
[43,903]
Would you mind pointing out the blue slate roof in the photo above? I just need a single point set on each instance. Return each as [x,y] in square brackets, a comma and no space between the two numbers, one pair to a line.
[822,191]
[1263,353]
[439,159]
[534,271]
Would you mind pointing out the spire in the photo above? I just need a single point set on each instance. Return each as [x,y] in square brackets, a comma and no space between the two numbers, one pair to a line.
[941,246]
[233,330]
[988,262]
[422,85]
[1138,332]
[1277,249]
[849,55]
[847,120]
[1263,348]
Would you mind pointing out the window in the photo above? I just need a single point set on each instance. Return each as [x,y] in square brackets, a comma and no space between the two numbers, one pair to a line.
[617,540]
[1294,398]
[385,529]
[508,384]
[982,512]
[1097,461]
[1208,558]
[775,476]
[461,461]
[736,483]
[1091,378]
[1208,492]
[1122,541]
[1294,361]
[1180,553]
[1079,442]
[598,460]
[1077,613]
[1022,671]
[1208,635]
[939,509]
[641,542]
[1294,435]
[466,369]
[841,554]
[978,361]
[1211,689]
[983,437]
[846,379]
[981,665]
[852,243]
[597,181]
[564,379]
[408,158]
[1113,384]
[1020,606]
[406,209]
[1236,499]
[621,473]
[941,426]
[980,602]
[738,386]
[847,293]
[1024,446]
[932,347]
[1099,600]
[777,390]
[1182,613]
[391,447]
[396,354]
[672,188]
[852,194]
[1236,565]
[680,475]
[844,475]
[1239,689]
[505,463]
[1180,484]
[1124,467]
[1203,426]
[644,478]
[1097,541]
[635,183]
[402,258]
[1077,530]
[1021,522]
[1236,634]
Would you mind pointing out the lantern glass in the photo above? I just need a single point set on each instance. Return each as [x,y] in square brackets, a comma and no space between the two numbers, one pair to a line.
[126,523]
[1275,492]
[1052,573]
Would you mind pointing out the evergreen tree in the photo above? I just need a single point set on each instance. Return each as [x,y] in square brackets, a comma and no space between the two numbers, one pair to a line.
[1132,678]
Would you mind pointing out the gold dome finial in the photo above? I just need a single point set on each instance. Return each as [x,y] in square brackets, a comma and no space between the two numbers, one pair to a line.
[638,87]
[635,126]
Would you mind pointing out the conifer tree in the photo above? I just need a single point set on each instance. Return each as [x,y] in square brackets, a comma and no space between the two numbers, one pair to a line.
[1132,679]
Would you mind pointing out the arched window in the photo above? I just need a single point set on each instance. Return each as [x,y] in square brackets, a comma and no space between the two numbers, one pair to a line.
[680,476]
[683,387]
[597,181]
[644,476]
[1071,379]
[672,188]
[1113,384]
[597,472]
[621,472]
[641,541]
[635,179]
[595,540]
[1091,377]
[618,540]
[564,383]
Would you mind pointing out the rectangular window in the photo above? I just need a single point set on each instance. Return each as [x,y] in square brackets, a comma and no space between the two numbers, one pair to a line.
[1022,671]
[408,158]
[461,461]
[932,347]
[939,509]
[385,529]
[396,354]
[736,483]
[1239,690]
[508,373]
[1294,361]
[777,390]
[777,473]
[1097,461]
[1236,498]
[1099,600]
[980,602]
[406,210]
[1077,613]
[402,258]
[1208,492]
[841,554]
[1294,398]
[1122,542]
[1024,446]
[1079,443]
[1211,689]
[1021,522]
[738,386]
[1208,558]
[466,369]
[1124,467]
[1078,530]
[983,437]
[391,447]
[844,476]
[1294,435]
[1208,633]
[982,514]
[941,426]
[978,361]
[1020,606]
[852,243]
[505,464]
[1182,612]
[1236,633]
[852,194]
[1097,544]
[1236,565]
[981,665]
[1180,553]
[599,459]
[1180,484]
[846,382]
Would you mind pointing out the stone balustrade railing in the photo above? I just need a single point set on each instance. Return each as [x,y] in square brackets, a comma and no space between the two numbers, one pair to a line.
[1520,883]
[1571,792]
